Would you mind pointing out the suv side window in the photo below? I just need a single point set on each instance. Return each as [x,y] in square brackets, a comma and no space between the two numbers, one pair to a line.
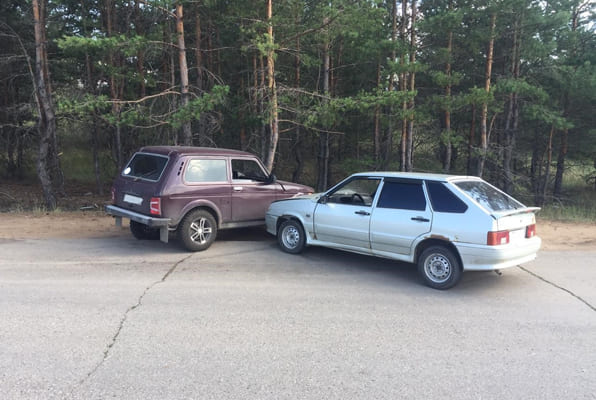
[444,200]
[248,169]
[205,170]
[402,196]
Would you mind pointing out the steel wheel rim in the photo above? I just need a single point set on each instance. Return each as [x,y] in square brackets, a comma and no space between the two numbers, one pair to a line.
[200,231]
[437,268]
[290,237]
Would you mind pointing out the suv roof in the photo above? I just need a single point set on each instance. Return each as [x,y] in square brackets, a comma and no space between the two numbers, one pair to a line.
[184,150]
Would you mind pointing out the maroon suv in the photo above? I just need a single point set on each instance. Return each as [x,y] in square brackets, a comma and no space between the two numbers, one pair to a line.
[194,191]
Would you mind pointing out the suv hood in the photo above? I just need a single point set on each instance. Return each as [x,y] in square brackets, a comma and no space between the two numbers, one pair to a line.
[297,188]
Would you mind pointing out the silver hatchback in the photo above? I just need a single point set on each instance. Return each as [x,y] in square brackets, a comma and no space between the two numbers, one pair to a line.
[445,224]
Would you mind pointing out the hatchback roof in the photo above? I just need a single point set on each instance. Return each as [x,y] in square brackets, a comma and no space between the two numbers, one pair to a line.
[415,175]
[191,150]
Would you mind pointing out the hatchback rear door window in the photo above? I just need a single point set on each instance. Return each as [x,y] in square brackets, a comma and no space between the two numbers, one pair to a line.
[443,199]
[402,196]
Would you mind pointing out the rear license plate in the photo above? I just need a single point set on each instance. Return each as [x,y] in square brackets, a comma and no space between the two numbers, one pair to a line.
[517,236]
[133,199]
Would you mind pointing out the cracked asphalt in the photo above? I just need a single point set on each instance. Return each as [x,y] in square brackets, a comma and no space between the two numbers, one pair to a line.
[127,319]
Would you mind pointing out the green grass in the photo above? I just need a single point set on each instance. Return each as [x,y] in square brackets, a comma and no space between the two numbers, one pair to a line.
[578,202]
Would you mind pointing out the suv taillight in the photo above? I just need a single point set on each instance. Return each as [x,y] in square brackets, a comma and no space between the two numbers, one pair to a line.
[530,231]
[497,238]
[155,206]
[113,195]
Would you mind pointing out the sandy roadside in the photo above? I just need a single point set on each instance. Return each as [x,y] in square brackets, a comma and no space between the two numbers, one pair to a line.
[555,235]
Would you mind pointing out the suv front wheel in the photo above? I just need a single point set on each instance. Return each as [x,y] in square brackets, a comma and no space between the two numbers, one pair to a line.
[198,230]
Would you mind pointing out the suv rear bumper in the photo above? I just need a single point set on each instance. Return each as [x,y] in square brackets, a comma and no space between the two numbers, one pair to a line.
[161,223]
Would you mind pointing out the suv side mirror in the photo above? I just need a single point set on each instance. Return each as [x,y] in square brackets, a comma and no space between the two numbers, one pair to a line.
[271,179]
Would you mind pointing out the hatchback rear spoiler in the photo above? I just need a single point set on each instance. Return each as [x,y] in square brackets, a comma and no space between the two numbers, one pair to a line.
[526,210]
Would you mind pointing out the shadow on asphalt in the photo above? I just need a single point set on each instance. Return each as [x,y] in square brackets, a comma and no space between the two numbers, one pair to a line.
[331,261]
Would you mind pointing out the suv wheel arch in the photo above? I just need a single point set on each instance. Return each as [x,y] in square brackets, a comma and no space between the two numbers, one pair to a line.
[201,204]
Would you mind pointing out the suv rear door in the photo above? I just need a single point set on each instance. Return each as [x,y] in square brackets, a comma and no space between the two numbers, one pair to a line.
[140,181]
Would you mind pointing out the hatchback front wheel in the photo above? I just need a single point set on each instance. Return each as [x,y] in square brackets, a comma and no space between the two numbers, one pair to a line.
[290,236]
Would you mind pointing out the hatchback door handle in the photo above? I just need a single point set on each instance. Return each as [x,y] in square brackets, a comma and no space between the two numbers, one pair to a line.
[362,212]
[420,219]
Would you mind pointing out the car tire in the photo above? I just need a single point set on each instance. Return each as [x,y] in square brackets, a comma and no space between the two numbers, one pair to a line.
[143,232]
[198,230]
[290,236]
[439,267]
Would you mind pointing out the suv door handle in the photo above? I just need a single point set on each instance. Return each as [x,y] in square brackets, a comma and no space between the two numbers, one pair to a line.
[420,219]
[361,212]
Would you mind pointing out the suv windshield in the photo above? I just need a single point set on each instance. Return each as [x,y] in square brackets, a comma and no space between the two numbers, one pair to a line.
[146,166]
[489,197]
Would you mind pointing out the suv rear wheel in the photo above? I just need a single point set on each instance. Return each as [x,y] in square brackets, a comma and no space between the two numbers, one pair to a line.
[198,230]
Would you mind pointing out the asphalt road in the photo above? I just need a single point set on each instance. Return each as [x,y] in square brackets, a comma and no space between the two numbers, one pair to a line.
[127,319]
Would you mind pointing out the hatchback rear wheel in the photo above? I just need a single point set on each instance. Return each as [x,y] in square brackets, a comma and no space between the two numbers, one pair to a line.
[198,230]
[439,267]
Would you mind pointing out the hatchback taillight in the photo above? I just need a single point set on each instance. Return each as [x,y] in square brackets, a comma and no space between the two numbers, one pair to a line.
[155,206]
[530,231]
[497,238]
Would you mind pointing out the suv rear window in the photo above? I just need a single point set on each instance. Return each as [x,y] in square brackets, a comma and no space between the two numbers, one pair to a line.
[489,197]
[146,166]
[206,171]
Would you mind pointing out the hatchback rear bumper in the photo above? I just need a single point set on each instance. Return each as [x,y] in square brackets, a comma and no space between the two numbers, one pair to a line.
[162,223]
[489,258]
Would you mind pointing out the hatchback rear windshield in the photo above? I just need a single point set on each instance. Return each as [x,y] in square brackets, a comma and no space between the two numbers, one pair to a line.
[146,166]
[489,197]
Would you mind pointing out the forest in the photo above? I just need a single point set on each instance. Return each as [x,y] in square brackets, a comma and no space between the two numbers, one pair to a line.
[502,89]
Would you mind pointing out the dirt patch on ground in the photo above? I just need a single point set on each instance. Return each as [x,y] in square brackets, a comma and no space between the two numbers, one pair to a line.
[82,216]
[96,224]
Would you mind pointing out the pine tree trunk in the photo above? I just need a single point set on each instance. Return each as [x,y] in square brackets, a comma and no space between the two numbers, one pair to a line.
[512,121]
[487,84]
[47,119]
[377,124]
[549,158]
[322,180]
[297,173]
[411,105]
[403,88]
[273,119]
[186,126]
[447,137]
[472,143]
